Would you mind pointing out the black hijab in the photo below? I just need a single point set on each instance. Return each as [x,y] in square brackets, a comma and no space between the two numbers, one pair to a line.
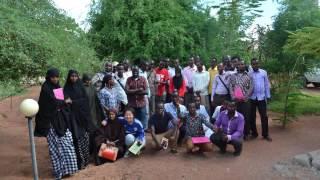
[177,81]
[51,111]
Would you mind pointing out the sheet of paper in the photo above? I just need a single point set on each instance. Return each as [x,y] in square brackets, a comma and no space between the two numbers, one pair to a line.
[135,148]
[58,93]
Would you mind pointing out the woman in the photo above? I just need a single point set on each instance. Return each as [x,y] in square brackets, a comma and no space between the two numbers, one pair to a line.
[111,133]
[51,122]
[194,128]
[111,97]
[177,82]
[81,123]
[133,129]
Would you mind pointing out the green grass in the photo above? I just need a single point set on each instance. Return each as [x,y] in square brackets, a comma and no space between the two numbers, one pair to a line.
[10,88]
[299,104]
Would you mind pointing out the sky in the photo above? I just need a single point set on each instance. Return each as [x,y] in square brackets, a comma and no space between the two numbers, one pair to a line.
[79,9]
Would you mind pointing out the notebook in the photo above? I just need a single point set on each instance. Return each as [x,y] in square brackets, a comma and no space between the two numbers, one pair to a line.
[200,140]
[58,94]
[135,148]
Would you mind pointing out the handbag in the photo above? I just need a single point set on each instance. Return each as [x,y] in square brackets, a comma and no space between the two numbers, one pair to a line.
[238,94]
[108,152]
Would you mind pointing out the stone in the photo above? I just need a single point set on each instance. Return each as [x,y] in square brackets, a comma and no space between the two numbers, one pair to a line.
[314,154]
[303,160]
[316,164]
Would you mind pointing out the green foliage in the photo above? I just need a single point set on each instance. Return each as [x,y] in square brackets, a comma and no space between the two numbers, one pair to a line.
[174,28]
[34,35]
[10,88]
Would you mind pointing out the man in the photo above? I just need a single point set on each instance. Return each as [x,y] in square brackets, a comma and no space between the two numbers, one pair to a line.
[178,112]
[261,92]
[188,76]
[218,110]
[220,87]
[159,123]
[143,73]
[229,130]
[127,71]
[213,71]
[194,128]
[151,77]
[174,65]
[240,90]
[98,77]
[162,77]
[200,82]
[234,63]
[120,76]
[202,110]
[136,88]
[226,60]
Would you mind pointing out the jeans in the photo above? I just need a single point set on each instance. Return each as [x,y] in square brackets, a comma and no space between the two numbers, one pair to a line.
[141,115]
[262,108]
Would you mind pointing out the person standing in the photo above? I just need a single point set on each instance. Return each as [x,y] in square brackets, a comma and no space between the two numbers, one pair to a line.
[188,76]
[213,71]
[151,77]
[127,69]
[200,82]
[177,82]
[136,88]
[119,76]
[50,123]
[261,92]
[240,90]
[98,77]
[162,78]
[220,87]
[81,122]
[229,130]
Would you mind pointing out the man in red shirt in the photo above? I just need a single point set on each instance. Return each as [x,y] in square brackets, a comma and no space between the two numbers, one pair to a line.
[162,78]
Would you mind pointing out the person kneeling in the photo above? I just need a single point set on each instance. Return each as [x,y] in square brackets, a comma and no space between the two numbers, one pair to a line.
[229,130]
[162,136]
[196,140]
[110,136]
[135,138]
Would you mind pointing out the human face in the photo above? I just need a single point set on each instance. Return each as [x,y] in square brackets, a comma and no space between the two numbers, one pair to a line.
[242,66]
[128,115]
[255,65]
[220,68]
[213,63]
[176,63]
[167,62]
[234,62]
[160,108]
[86,83]
[177,73]
[176,99]
[161,64]
[54,80]
[231,108]
[74,77]
[143,66]
[120,71]
[191,62]
[108,67]
[135,72]
[112,115]
[110,83]
[126,65]
[199,67]
[192,109]
[197,101]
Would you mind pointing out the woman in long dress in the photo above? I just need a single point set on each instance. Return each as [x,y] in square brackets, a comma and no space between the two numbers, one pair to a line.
[81,124]
[111,133]
[51,122]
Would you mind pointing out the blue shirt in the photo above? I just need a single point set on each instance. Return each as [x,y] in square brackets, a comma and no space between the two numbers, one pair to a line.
[261,88]
[171,108]
[202,110]
[136,128]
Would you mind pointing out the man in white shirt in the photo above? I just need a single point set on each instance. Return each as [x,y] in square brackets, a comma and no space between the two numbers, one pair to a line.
[220,87]
[188,75]
[200,83]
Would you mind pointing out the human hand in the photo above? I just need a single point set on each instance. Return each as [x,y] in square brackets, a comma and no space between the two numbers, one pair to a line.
[225,138]
[68,101]
[104,123]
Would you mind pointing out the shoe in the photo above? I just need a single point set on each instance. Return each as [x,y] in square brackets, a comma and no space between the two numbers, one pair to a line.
[254,136]
[173,151]
[268,138]
[126,154]
[237,153]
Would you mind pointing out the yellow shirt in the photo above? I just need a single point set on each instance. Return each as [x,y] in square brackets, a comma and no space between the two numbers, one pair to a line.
[212,73]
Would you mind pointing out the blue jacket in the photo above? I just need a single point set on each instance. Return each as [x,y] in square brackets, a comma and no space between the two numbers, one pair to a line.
[136,128]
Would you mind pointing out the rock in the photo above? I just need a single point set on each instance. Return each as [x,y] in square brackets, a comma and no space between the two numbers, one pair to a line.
[283,170]
[303,160]
[316,163]
[314,154]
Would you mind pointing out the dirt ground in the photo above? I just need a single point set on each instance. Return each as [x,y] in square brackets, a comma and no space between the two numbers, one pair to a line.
[255,162]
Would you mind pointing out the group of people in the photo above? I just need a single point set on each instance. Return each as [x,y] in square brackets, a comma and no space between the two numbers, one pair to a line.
[117,106]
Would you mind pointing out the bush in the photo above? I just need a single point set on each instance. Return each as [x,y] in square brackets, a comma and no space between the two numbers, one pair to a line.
[10,88]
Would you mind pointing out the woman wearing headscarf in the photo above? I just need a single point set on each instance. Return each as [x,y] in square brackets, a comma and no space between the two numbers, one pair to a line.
[81,124]
[111,133]
[177,82]
[51,122]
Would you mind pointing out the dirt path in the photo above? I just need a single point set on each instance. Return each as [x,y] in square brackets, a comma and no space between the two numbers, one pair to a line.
[256,161]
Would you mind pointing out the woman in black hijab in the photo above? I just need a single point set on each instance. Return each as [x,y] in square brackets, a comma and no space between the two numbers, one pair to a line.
[51,122]
[81,124]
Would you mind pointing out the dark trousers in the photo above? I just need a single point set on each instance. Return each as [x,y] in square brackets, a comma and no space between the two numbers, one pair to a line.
[218,99]
[222,145]
[262,108]
[243,108]
[141,115]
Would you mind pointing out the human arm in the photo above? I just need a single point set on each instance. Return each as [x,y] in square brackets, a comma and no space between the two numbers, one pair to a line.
[214,87]
[239,131]
[267,86]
